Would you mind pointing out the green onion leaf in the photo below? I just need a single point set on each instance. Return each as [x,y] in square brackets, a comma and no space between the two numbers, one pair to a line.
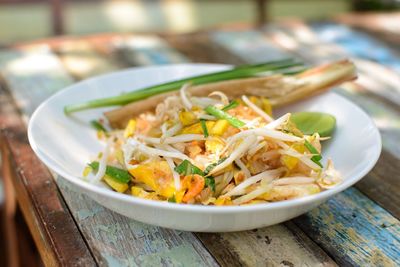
[235,122]
[231,105]
[316,159]
[212,166]
[204,127]
[317,162]
[210,182]
[117,174]
[98,126]
[187,168]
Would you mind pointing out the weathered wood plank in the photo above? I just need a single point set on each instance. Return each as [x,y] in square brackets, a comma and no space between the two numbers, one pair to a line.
[21,69]
[53,229]
[382,184]
[81,59]
[200,48]
[359,43]
[375,78]
[252,46]
[381,25]
[270,246]
[371,236]
[140,50]
[120,241]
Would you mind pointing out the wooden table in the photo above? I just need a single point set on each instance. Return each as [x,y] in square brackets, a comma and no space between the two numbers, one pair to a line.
[359,227]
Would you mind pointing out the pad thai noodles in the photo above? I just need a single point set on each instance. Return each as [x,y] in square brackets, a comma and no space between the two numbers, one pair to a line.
[218,144]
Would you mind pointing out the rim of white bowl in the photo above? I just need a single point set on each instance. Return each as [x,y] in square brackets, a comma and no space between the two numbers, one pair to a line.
[199,208]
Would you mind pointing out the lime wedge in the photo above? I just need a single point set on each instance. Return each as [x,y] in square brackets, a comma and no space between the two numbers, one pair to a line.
[314,122]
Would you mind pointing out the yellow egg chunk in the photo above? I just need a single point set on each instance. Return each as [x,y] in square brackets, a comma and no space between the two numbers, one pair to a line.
[138,191]
[167,191]
[179,195]
[196,128]
[157,175]
[219,127]
[117,186]
[130,128]
[299,148]
[214,145]
[187,118]
[221,201]
[289,161]
[266,106]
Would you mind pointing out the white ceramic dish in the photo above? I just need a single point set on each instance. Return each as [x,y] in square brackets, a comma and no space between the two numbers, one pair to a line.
[65,145]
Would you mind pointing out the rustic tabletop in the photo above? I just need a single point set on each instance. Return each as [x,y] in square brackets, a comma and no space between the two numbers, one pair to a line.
[359,227]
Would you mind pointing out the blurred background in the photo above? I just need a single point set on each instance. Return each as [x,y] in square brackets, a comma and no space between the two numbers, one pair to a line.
[22,20]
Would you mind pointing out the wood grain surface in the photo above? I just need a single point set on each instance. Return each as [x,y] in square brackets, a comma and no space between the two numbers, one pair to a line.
[53,229]
[358,227]
[355,230]
[119,241]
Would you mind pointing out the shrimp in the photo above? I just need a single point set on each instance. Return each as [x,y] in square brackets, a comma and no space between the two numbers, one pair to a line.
[195,184]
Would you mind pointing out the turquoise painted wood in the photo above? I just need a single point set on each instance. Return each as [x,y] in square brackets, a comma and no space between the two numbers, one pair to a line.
[354,230]
[120,241]
[249,45]
[148,50]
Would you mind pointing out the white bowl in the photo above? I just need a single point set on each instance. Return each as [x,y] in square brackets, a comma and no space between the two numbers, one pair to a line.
[65,145]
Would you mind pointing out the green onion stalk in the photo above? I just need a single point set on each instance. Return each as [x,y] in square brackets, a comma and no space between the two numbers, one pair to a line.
[244,71]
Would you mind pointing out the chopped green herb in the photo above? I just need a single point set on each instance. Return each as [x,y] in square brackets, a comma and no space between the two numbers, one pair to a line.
[204,127]
[212,166]
[220,114]
[231,105]
[98,126]
[186,168]
[117,174]
[317,162]
[313,150]
[210,182]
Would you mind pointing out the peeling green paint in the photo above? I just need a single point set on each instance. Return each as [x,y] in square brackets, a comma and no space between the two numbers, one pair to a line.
[86,213]
[177,256]
[113,262]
